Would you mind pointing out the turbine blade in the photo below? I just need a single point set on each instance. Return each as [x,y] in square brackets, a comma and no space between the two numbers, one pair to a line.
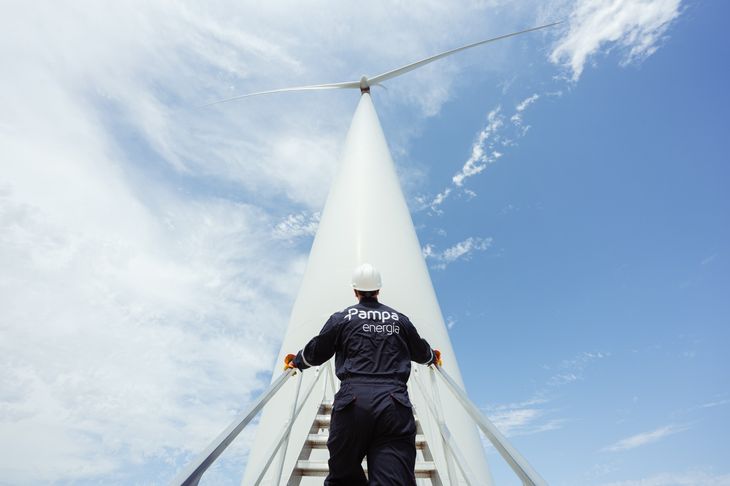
[346,85]
[410,67]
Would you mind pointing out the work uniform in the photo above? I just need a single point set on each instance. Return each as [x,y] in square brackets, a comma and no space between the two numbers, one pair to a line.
[372,416]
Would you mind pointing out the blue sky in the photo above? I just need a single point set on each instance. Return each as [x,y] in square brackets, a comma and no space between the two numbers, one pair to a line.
[583,267]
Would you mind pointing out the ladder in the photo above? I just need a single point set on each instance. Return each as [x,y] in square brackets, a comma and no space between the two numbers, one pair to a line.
[311,465]
[312,461]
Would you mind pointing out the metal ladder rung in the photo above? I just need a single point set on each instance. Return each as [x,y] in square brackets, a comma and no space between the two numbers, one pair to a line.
[319,441]
[424,469]
[323,420]
[313,464]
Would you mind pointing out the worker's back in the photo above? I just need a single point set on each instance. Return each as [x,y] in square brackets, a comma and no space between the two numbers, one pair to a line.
[370,341]
[377,342]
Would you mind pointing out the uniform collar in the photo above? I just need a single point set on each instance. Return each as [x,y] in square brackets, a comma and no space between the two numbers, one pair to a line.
[369,301]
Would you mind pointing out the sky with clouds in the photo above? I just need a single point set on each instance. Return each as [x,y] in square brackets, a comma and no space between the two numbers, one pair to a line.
[569,188]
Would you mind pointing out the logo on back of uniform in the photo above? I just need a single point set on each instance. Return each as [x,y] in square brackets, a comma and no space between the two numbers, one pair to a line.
[375,315]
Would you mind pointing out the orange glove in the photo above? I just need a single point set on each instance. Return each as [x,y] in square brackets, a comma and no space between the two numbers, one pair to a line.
[289,361]
[437,358]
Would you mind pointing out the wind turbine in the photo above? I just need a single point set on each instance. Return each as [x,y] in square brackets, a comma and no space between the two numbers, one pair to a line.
[366,219]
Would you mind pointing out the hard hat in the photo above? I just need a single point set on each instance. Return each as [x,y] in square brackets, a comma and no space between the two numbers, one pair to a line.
[366,278]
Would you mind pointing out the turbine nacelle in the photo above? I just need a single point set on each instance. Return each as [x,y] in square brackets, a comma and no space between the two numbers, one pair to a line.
[364,84]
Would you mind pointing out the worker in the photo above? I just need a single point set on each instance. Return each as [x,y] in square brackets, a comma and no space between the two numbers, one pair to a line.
[372,416]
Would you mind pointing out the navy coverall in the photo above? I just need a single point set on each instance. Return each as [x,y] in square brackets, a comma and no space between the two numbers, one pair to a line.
[372,416]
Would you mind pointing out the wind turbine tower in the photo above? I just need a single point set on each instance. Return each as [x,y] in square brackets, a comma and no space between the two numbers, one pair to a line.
[366,219]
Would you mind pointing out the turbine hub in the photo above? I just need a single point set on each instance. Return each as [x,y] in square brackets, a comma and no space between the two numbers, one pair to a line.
[364,85]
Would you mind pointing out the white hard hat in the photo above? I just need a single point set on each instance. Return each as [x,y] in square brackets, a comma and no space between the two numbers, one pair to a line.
[366,278]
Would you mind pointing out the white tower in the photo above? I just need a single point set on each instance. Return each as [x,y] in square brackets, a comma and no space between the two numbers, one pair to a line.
[365,219]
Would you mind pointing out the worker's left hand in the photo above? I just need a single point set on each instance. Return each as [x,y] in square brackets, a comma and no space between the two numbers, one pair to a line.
[437,358]
[289,361]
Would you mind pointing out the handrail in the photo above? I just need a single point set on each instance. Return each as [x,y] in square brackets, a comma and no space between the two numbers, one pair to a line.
[440,419]
[451,447]
[292,417]
[331,377]
[191,475]
[283,433]
[517,462]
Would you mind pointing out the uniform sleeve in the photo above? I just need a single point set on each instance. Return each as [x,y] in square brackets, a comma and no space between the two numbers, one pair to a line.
[419,348]
[320,348]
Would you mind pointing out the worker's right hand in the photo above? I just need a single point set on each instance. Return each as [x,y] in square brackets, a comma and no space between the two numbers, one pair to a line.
[437,358]
[289,361]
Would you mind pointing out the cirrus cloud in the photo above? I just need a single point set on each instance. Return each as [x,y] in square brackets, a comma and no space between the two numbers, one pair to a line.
[595,26]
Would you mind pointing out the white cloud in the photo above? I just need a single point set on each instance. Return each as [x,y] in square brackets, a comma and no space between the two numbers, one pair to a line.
[532,416]
[644,438]
[464,248]
[487,149]
[480,157]
[483,153]
[595,26]
[516,119]
[509,208]
[709,259]
[563,379]
[523,418]
[470,194]
[461,250]
[522,105]
[120,344]
[437,201]
[296,225]
[691,478]
[571,370]
[717,403]
[509,420]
